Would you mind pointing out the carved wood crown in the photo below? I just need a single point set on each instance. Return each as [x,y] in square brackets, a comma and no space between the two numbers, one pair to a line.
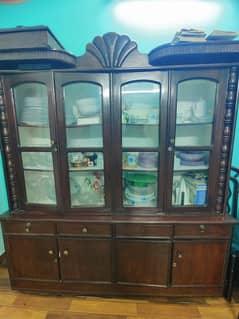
[110,51]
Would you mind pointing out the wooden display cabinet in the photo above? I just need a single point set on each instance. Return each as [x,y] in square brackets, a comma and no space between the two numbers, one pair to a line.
[118,170]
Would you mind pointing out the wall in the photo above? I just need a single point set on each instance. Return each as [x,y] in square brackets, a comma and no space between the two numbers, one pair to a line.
[3,200]
[76,22]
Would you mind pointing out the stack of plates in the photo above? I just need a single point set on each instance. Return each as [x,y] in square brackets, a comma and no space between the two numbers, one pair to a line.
[35,111]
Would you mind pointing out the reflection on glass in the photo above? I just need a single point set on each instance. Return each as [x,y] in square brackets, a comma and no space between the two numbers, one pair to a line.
[140,136]
[37,160]
[86,136]
[83,103]
[139,189]
[31,104]
[140,160]
[196,101]
[193,135]
[194,112]
[40,187]
[87,189]
[140,114]
[191,160]
[85,161]
[190,188]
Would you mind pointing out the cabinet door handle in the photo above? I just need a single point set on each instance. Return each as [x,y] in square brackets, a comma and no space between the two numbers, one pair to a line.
[174,264]
[50,252]
[170,148]
[27,230]
[66,252]
[202,228]
[54,147]
[84,230]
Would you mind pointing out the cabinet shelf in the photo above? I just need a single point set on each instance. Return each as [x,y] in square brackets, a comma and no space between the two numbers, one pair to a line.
[193,123]
[33,125]
[82,125]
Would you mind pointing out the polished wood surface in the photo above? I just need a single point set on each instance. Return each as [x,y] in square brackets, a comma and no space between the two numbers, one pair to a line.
[16,305]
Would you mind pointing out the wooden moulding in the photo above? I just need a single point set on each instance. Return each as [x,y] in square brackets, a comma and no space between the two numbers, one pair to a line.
[195,53]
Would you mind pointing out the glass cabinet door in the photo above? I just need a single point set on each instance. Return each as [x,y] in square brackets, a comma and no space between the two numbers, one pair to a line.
[192,145]
[84,145]
[140,113]
[34,134]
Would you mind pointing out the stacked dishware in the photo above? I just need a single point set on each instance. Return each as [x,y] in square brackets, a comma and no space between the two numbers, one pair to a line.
[34,111]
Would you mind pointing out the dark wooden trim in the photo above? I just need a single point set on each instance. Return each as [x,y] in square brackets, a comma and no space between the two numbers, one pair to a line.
[227,130]
[206,52]
[8,151]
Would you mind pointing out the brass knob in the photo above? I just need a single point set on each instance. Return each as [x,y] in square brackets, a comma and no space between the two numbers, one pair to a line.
[50,252]
[174,264]
[84,230]
[202,228]
[180,255]
[28,224]
[172,140]
[66,252]
[27,230]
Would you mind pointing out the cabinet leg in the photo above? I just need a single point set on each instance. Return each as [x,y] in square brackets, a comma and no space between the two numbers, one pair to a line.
[231,278]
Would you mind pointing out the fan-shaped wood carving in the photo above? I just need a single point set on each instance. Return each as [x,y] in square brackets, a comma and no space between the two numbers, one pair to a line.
[112,49]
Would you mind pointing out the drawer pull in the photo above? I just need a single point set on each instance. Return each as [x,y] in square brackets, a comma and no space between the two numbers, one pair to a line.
[28,224]
[202,228]
[66,252]
[27,230]
[84,230]
[50,252]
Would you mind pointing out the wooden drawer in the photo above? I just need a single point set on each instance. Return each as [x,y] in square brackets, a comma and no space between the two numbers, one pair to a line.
[202,230]
[144,230]
[29,227]
[84,229]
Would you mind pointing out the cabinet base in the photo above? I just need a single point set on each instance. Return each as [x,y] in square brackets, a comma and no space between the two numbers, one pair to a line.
[109,289]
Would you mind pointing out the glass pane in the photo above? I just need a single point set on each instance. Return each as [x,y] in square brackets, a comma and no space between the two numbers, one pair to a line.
[87,136]
[193,135]
[140,136]
[37,160]
[191,160]
[140,114]
[85,161]
[87,189]
[83,103]
[34,136]
[195,111]
[40,187]
[31,104]
[139,189]
[140,161]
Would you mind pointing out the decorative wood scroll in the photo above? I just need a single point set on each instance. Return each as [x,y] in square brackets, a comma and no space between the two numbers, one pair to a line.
[112,51]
